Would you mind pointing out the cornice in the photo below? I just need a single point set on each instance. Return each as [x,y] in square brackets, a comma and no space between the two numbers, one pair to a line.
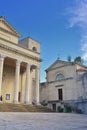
[57,81]
[50,69]
[64,63]
[10,26]
[21,53]
[19,45]
[4,30]
[81,70]
[29,37]
[61,85]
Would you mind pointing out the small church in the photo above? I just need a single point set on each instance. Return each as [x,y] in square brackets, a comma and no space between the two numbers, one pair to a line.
[19,66]
[66,85]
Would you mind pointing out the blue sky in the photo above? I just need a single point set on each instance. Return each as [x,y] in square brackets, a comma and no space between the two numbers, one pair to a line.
[59,25]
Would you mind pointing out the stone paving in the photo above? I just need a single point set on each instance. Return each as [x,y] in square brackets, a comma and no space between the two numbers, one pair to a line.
[42,121]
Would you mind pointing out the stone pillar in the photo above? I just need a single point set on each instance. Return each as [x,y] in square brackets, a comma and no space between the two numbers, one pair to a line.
[1,73]
[16,84]
[37,84]
[27,85]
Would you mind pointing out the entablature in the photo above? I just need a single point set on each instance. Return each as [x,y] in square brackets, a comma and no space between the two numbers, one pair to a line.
[15,49]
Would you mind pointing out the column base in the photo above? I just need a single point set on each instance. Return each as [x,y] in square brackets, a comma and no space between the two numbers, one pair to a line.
[1,102]
[38,104]
[27,103]
[15,102]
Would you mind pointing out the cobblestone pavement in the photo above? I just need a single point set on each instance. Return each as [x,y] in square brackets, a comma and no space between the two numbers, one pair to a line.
[42,121]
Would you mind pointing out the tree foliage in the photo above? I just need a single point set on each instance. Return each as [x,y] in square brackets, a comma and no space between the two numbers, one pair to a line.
[78,59]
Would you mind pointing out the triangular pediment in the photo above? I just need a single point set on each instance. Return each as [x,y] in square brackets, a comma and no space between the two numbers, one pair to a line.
[81,67]
[58,63]
[6,27]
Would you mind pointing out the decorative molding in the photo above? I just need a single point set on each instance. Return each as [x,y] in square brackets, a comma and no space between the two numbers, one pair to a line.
[59,85]
[2,19]
[4,30]
[50,69]
[13,50]
[70,78]
[18,45]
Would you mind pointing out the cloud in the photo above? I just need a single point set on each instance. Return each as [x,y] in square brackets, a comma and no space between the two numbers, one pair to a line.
[79,14]
[78,17]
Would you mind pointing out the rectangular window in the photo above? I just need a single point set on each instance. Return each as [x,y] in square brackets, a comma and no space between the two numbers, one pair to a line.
[19,96]
[54,107]
[60,94]
[7,96]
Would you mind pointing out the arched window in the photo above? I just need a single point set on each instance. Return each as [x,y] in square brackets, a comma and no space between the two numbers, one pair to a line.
[34,49]
[59,77]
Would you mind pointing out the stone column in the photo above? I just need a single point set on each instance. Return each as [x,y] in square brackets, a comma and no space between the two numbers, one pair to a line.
[27,85]
[1,73]
[37,84]
[16,84]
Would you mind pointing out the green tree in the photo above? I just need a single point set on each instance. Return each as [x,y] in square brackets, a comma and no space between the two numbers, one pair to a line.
[78,59]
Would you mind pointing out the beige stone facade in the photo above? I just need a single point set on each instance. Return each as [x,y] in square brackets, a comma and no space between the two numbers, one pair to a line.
[19,66]
[65,82]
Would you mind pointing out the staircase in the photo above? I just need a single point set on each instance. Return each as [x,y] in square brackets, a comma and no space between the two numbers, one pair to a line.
[8,107]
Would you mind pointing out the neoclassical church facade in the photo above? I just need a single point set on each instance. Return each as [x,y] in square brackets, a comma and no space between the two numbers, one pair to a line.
[66,83]
[19,66]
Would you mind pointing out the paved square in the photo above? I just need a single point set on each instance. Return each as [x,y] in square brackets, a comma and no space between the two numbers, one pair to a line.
[42,121]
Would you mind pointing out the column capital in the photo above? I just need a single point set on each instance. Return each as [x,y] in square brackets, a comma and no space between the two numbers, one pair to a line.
[37,67]
[2,57]
[29,64]
[18,62]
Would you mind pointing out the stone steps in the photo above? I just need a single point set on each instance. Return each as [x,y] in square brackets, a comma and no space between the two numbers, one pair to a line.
[8,107]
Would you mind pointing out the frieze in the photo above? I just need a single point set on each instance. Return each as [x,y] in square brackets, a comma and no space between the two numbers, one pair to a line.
[13,50]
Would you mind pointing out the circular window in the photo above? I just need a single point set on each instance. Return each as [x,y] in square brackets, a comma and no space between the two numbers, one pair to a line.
[59,77]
